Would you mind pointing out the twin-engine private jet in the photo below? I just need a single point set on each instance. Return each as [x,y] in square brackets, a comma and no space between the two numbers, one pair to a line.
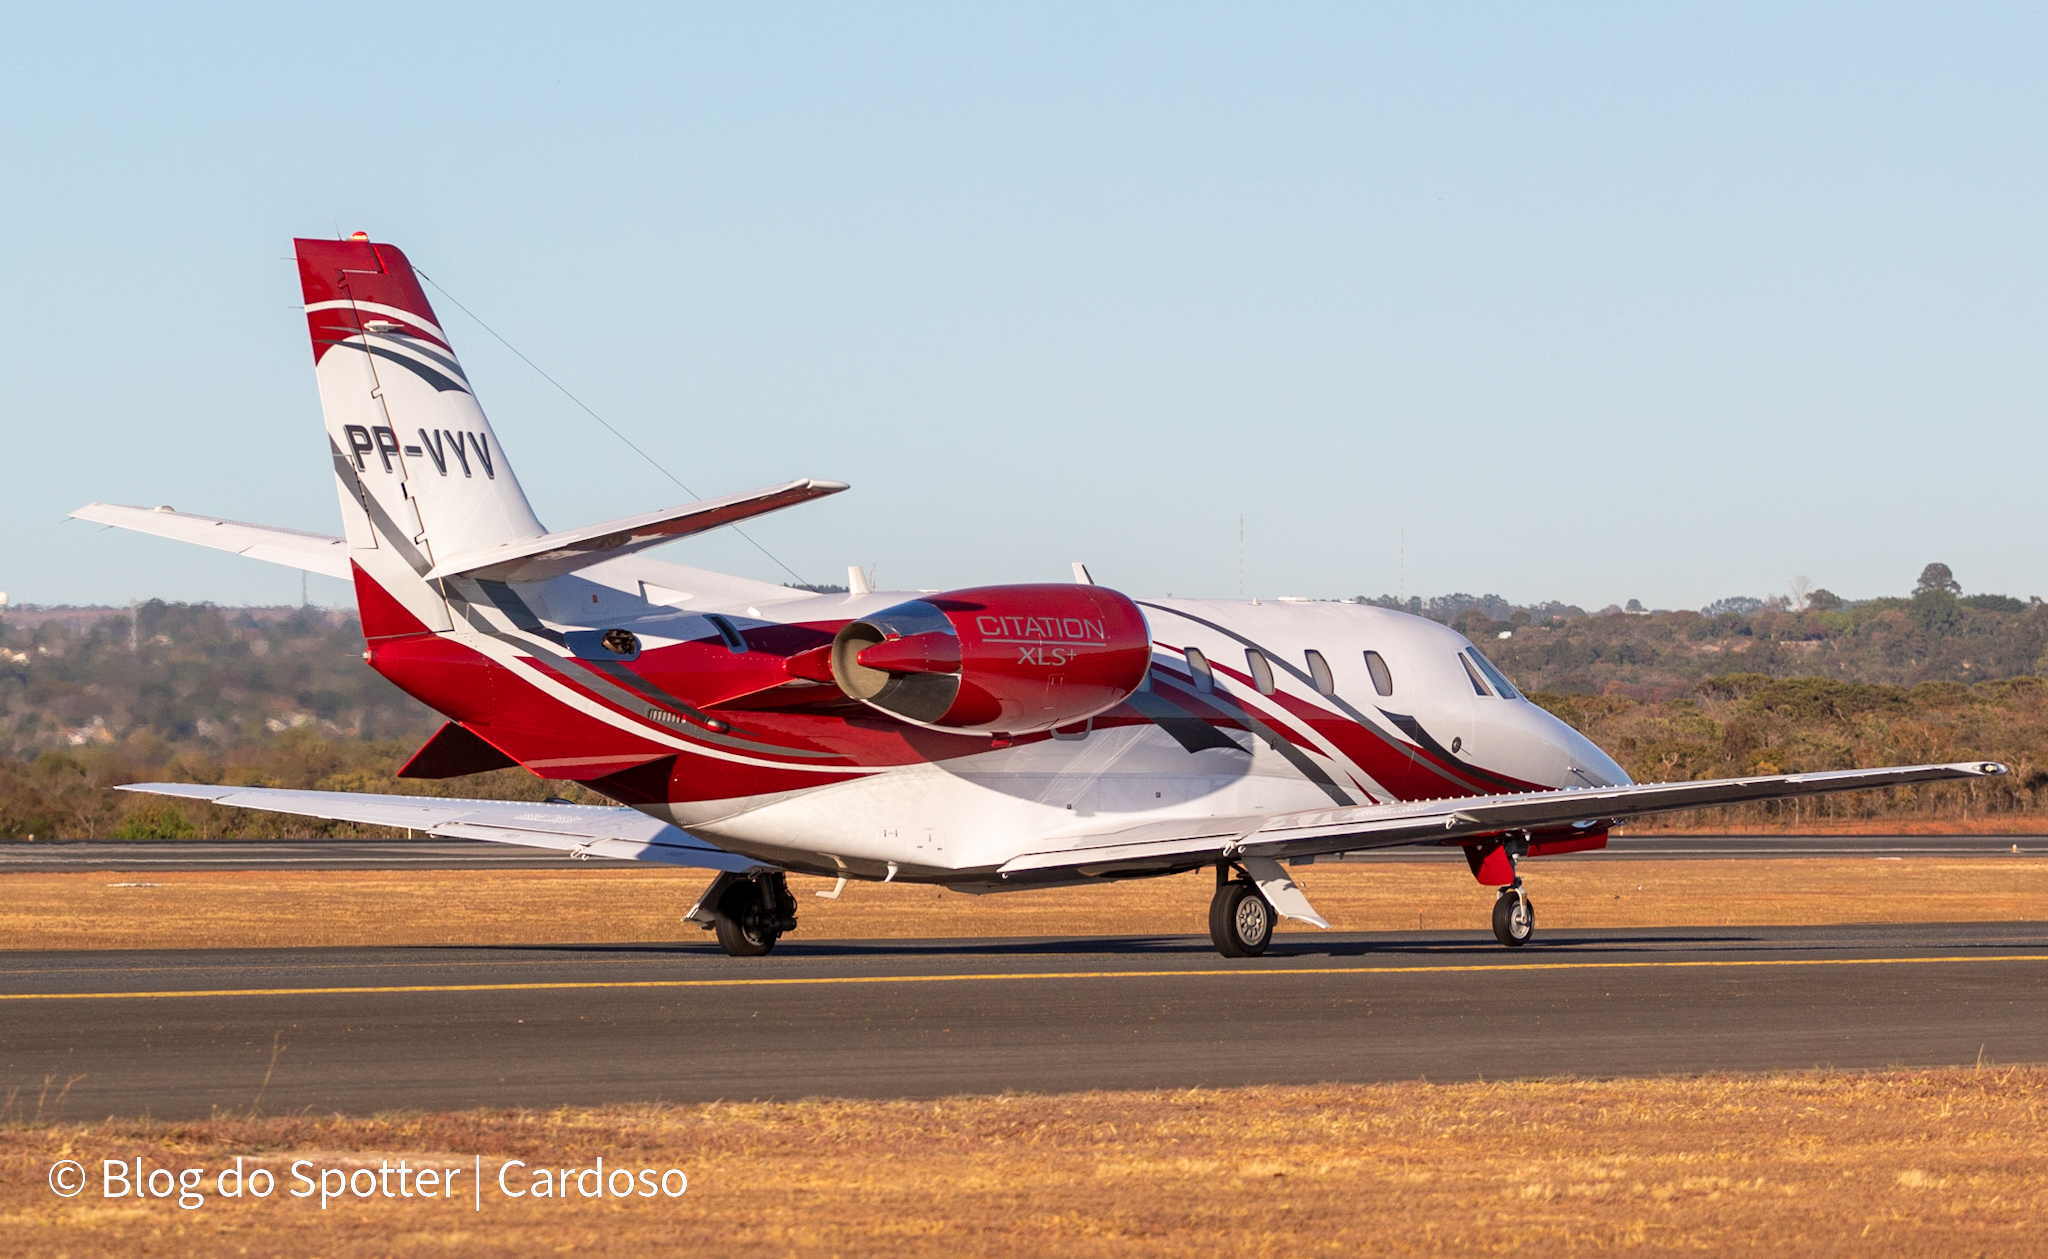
[988,739]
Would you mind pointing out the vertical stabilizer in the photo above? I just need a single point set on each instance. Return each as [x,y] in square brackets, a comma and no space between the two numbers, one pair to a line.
[419,470]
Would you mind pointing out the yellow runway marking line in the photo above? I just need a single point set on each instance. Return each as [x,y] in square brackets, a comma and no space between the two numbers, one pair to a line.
[550,986]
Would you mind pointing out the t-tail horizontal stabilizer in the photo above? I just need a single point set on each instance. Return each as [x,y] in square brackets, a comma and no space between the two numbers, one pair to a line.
[315,552]
[553,554]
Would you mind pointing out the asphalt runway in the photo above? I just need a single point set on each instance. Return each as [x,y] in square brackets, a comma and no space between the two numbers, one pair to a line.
[458,854]
[178,1034]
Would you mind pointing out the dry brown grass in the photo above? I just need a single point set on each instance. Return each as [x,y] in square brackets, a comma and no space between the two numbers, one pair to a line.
[263,909]
[1925,1163]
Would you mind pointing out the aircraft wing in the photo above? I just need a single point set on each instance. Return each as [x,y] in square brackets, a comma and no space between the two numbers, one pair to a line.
[577,829]
[315,552]
[553,554]
[1319,831]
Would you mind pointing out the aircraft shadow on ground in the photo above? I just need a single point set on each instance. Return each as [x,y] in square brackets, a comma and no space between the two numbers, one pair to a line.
[1176,947]
[1476,945]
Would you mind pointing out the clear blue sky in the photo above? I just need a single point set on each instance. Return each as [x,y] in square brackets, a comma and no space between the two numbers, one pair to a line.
[1646,301]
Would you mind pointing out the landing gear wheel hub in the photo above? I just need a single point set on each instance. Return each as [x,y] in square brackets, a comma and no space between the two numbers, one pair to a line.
[1240,920]
[1514,918]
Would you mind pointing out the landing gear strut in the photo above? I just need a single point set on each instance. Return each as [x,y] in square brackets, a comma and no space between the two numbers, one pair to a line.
[1514,918]
[1240,917]
[752,914]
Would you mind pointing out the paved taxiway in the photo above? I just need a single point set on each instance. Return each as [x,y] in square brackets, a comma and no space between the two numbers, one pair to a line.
[457,854]
[178,1033]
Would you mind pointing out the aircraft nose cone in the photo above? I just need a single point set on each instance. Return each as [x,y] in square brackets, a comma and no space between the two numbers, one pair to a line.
[1585,764]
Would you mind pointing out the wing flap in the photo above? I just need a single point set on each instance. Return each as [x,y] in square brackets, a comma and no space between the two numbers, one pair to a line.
[581,830]
[553,554]
[1135,847]
[314,552]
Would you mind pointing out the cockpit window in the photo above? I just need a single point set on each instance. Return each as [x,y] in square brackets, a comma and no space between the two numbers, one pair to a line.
[1472,671]
[1198,664]
[1504,688]
[1382,679]
[1319,673]
[1262,669]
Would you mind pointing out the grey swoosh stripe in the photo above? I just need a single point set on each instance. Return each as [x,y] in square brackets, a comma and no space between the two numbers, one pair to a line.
[421,348]
[417,368]
[1190,731]
[506,600]
[386,529]
[1278,742]
[1342,706]
[522,617]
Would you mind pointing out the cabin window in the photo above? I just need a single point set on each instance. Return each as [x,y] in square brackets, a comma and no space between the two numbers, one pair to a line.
[1198,665]
[1472,672]
[733,641]
[1261,669]
[1382,678]
[1319,673]
[1504,688]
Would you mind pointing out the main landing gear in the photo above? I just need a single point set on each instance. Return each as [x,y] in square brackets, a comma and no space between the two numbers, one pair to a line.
[748,914]
[1240,917]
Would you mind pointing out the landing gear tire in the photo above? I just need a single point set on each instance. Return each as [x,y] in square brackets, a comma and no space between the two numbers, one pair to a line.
[1240,920]
[1514,917]
[745,927]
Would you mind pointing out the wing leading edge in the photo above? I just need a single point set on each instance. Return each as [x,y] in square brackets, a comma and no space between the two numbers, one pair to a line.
[577,829]
[1322,831]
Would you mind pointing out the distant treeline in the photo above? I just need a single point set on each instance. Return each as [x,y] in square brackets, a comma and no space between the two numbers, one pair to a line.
[1748,723]
[1733,725]
[191,674]
[1935,634]
[280,697]
[69,794]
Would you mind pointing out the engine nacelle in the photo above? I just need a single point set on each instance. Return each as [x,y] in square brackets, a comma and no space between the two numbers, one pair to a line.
[997,659]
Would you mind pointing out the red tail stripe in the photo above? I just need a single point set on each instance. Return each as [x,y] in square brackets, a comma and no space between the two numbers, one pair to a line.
[362,272]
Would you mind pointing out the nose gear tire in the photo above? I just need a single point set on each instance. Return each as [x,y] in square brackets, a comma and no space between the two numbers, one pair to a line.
[1514,919]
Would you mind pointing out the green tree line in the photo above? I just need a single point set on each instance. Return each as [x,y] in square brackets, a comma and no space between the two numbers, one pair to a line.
[195,693]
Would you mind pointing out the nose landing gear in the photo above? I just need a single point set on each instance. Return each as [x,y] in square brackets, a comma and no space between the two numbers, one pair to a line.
[1498,864]
[1514,917]
[1240,917]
